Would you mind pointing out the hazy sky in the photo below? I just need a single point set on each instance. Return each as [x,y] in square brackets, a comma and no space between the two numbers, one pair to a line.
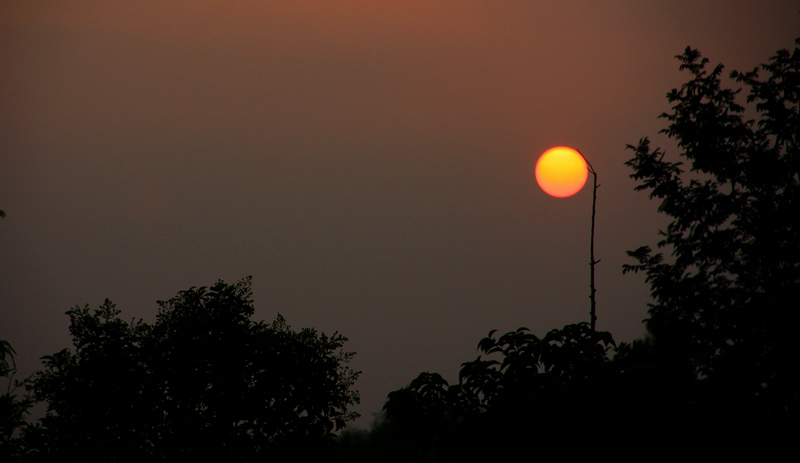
[370,163]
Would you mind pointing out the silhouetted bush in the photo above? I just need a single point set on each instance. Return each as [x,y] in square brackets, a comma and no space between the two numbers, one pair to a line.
[203,381]
[13,407]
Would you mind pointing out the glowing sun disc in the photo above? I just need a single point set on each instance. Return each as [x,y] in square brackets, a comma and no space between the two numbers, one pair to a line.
[561,171]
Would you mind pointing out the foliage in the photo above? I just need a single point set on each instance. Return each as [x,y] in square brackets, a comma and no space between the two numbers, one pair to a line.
[521,386]
[12,408]
[562,396]
[205,380]
[722,298]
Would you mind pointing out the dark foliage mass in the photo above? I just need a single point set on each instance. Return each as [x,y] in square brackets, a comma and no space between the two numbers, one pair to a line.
[521,386]
[561,396]
[726,296]
[203,381]
[13,406]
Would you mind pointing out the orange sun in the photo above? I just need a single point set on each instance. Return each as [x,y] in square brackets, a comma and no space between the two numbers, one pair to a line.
[561,171]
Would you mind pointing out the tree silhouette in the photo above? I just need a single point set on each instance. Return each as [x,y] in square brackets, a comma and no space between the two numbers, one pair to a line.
[724,296]
[521,389]
[12,407]
[204,380]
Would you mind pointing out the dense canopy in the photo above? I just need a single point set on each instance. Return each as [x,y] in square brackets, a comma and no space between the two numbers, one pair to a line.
[204,379]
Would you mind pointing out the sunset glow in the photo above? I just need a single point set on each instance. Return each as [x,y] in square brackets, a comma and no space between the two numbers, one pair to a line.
[561,171]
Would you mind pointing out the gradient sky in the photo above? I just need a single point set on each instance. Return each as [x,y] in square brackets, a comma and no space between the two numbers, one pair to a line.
[370,163]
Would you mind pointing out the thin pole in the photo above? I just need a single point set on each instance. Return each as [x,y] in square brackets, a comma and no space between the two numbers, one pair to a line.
[592,262]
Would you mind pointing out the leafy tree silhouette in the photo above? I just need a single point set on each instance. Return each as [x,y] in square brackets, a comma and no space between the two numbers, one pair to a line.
[203,381]
[12,407]
[520,389]
[725,299]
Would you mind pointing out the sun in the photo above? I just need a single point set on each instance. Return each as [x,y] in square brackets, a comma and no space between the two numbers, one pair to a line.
[561,171]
